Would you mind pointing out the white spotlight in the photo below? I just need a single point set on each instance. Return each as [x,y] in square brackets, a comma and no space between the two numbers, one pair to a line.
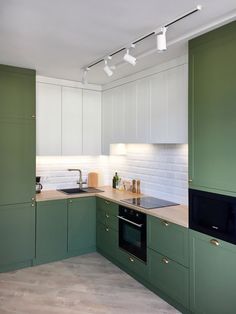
[107,69]
[130,59]
[161,40]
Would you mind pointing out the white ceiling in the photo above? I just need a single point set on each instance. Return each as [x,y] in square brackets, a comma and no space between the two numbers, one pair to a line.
[59,37]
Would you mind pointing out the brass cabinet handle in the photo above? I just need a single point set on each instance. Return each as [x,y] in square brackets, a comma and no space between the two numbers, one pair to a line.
[165,260]
[33,116]
[32,199]
[32,204]
[214,242]
[107,229]
[165,223]
[107,215]
[131,259]
[108,203]
[70,201]
[190,180]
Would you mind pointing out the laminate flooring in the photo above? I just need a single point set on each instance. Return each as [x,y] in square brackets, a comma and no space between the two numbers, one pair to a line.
[86,284]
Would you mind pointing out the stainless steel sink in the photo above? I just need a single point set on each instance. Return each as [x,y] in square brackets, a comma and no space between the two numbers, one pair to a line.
[79,191]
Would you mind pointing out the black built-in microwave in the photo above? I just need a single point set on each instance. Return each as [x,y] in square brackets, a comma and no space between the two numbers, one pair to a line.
[213,214]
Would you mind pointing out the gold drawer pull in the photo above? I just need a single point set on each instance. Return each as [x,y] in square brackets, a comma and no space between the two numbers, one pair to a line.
[190,180]
[108,203]
[165,260]
[107,215]
[131,259]
[214,242]
[107,229]
[70,201]
[165,223]
[32,204]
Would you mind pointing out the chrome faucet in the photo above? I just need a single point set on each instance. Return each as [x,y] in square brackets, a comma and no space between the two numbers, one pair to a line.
[80,181]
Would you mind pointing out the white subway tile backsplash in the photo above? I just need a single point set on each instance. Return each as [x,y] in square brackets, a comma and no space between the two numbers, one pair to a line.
[162,169]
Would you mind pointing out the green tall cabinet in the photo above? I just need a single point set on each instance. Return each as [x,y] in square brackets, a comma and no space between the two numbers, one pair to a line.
[17,166]
[212,111]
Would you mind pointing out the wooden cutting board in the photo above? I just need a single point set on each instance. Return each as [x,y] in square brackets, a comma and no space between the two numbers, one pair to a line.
[92,179]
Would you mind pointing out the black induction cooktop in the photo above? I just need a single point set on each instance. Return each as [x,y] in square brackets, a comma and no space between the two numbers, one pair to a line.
[148,202]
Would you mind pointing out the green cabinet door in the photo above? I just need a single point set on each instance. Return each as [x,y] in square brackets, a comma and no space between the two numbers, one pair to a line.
[212,111]
[168,239]
[212,275]
[17,135]
[169,277]
[107,241]
[17,235]
[51,231]
[81,225]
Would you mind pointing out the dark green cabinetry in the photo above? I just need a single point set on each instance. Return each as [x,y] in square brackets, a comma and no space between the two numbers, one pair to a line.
[212,111]
[81,225]
[212,275]
[17,236]
[17,135]
[51,231]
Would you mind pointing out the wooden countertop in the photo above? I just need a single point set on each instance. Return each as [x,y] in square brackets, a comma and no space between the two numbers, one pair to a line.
[176,214]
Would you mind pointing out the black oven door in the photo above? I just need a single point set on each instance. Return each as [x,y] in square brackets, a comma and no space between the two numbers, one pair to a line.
[132,236]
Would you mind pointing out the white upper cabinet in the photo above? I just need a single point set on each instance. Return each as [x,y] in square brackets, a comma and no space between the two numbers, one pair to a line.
[91,122]
[130,113]
[48,123]
[118,118]
[71,121]
[107,121]
[68,120]
[158,127]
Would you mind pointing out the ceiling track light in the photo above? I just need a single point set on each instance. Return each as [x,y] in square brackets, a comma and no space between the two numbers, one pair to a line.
[161,39]
[107,69]
[128,58]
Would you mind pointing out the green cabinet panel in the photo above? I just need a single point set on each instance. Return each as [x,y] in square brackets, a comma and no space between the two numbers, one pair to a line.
[212,111]
[17,161]
[104,217]
[17,92]
[133,265]
[17,234]
[168,239]
[169,277]
[107,240]
[82,224]
[51,231]
[212,275]
[108,206]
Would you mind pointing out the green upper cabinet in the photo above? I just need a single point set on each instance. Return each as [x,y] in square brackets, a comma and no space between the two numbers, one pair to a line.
[17,92]
[81,225]
[212,275]
[212,111]
[17,135]
[17,235]
[51,231]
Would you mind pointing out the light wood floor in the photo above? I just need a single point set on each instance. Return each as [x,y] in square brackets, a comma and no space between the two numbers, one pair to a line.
[86,285]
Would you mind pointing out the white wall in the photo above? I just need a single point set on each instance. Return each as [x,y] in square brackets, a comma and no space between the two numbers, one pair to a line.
[162,169]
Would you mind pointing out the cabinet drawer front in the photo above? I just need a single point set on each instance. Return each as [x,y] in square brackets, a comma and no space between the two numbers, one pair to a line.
[105,218]
[110,207]
[168,239]
[133,264]
[107,240]
[170,277]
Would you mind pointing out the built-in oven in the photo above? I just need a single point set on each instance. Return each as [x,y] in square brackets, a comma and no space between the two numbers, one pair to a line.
[213,214]
[133,232]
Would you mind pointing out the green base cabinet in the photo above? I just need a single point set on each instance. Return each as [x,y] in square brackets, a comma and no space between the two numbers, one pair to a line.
[17,236]
[107,241]
[81,225]
[212,275]
[51,231]
[169,277]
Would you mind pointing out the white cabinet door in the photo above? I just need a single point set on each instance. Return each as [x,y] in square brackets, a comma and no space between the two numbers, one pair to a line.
[107,121]
[48,115]
[177,81]
[118,115]
[158,131]
[143,110]
[91,122]
[130,113]
[71,121]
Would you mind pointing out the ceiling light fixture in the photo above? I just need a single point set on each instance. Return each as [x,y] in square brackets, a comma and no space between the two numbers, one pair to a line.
[161,39]
[128,58]
[107,69]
